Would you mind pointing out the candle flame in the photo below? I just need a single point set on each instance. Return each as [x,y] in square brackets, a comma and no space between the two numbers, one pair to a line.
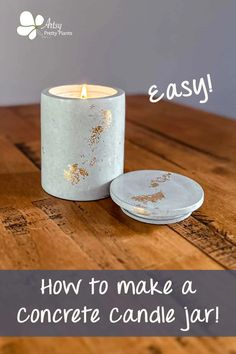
[84,93]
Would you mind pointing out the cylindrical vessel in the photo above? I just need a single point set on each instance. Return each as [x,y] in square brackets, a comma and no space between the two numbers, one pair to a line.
[82,140]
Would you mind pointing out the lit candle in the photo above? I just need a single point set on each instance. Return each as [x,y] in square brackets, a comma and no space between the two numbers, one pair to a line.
[82,140]
[84,93]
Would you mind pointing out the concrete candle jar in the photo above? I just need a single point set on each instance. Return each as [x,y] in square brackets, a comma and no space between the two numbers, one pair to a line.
[82,140]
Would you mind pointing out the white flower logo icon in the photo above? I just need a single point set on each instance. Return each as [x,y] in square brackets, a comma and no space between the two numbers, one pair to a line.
[29,25]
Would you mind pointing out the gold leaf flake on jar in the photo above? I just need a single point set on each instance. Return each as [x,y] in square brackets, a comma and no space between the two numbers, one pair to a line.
[83,172]
[107,117]
[74,173]
[93,161]
[95,134]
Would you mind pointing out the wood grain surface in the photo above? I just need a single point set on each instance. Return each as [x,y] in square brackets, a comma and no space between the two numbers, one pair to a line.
[38,231]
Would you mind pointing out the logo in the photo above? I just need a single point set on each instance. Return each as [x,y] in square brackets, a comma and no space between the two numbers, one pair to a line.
[31,27]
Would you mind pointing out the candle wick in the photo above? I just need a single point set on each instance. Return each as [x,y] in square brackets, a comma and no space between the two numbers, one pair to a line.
[84,93]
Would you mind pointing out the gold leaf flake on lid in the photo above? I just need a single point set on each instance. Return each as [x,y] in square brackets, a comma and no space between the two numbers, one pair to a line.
[141,211]
[75,173]
[154,183]
[153,198]
[164,178]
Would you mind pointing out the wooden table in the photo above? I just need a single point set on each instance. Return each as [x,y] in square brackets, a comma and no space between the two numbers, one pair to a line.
[38,231]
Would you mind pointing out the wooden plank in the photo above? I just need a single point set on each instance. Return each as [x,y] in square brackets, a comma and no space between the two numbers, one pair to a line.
[225,247]
[217,246]
[225,241]
[179,255]
[27,239]
[30,240]
[30,115]
[19,178]
[32,151]
[27,236]
[141,159]
[128,345]
[30,219]
[15,127]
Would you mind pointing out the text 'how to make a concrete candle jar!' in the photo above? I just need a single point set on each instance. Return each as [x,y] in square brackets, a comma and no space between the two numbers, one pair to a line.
[82,140]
